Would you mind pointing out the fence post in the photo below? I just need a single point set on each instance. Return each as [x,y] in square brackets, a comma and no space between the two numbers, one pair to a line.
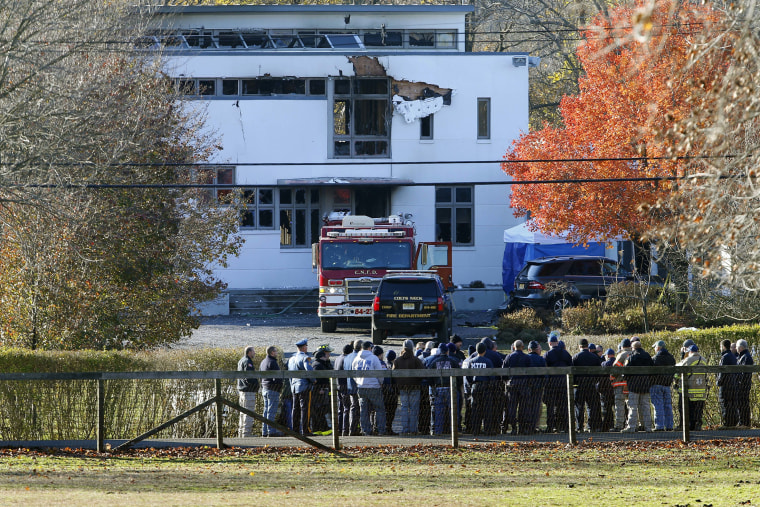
[573,439]
[684,409]
[101,401]
[334,410]
[454,410]
[219,420]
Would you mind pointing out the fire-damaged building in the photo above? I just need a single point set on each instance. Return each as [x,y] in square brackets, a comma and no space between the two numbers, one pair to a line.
[372,110]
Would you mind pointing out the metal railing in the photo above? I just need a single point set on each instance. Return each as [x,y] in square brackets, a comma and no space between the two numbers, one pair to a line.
[450,378]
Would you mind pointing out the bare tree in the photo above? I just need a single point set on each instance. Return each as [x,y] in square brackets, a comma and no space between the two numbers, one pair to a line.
[97,250]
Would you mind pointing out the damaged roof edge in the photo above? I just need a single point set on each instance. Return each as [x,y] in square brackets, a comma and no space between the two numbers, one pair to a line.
[207,9]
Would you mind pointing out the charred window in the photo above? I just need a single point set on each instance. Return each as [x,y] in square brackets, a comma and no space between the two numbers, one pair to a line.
[299,216]
[361,117]
[259,208]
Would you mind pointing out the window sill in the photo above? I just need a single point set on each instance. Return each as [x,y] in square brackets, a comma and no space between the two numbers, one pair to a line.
[483,141]
[427,141]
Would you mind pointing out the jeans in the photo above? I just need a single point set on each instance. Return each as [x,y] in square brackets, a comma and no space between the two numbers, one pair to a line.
[440,403]
[663,407]
[409,410]
[245,422]
[638,406]
[371,398]
[271,401]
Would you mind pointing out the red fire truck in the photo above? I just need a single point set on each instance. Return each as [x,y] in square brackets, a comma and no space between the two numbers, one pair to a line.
[353,254]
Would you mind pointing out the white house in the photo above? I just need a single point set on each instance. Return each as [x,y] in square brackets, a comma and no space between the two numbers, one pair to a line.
[374,109]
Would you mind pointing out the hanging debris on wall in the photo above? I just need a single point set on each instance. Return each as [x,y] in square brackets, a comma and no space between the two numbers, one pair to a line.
[411,99]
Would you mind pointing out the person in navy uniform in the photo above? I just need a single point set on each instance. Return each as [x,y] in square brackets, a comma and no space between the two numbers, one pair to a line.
[607,393]
[555,394]
[728,385]
[518,406]
[586,395]
[247,388]
[440,392]
[535,387]
[479,391]
[301,387]
[745,384]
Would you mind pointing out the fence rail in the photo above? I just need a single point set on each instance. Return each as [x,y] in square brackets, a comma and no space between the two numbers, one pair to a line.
[448,380]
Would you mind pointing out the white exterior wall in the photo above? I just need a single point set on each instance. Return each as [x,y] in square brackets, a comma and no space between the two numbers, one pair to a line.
[297,129]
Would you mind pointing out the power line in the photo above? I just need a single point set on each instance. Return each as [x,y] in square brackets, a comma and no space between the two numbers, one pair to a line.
[365,162]
[173,186]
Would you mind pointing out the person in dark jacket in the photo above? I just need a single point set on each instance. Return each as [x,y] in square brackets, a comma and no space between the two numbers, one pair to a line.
[479,391]
[555,393]
[586,396]
[728,387]
[344,400]
[409,389]
[518,391]
[638,390]
[270,391]
[607,393]
[390,393]
[320,395]
[535,387]
[660,394]
[247,388]
[745,384]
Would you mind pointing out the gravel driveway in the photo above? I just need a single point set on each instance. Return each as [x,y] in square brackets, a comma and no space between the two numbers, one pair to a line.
[285,330]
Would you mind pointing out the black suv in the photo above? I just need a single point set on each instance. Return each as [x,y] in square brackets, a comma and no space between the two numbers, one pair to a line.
[411,302]
[562,281]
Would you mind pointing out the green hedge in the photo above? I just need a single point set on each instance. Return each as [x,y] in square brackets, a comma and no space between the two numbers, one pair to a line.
[39,410]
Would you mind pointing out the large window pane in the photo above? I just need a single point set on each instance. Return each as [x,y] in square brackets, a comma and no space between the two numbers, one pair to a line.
[370,117]
[443,224]
[464,225]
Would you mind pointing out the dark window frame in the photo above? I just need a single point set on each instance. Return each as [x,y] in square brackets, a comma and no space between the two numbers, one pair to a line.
[457,208]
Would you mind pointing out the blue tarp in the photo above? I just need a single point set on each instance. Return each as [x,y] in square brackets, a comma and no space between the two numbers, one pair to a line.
[521,245]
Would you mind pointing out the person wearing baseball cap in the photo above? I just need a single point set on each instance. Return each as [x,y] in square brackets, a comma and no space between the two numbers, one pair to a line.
[606,392]
[556,386]
[662,400]
[301,387]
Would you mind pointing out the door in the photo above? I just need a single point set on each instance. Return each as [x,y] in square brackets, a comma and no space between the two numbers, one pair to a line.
[435,256]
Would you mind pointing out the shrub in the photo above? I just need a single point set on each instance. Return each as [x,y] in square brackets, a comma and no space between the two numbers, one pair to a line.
[510,325]
[477,284]
[585,318]
[621,296]
[32,410]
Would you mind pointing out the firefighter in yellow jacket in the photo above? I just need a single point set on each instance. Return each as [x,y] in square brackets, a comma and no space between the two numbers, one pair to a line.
[619,385]
[696,388]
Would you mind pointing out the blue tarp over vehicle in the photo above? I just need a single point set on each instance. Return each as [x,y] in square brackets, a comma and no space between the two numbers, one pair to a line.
[521,245]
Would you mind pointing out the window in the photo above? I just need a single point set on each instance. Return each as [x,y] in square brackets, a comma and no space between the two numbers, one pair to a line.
[422,39]
[259,212]
[446,40]
[426,127]
[361,117]
[221,175]
[454,214]
[484,118]
[299,217]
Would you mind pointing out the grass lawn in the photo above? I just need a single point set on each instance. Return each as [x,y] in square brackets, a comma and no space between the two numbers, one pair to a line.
[703,474]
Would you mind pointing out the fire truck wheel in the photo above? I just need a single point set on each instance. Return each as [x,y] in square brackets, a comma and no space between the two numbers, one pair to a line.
[378,335]
[329,325]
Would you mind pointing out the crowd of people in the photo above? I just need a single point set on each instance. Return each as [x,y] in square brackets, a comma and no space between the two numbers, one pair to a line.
[492,404]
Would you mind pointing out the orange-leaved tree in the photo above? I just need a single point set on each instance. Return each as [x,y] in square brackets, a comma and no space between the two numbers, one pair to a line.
[634,87]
